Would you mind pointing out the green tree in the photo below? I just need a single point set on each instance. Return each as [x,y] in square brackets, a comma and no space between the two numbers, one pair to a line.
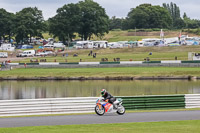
[148,16]
[174,12]
[93,20]
[29,23]
[66,22]
[190,23]
[115,23]
[185,16]
[125,24]
[6,24]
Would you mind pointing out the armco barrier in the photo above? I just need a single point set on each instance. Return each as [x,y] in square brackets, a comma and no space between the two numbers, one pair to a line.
[89,63]
[109,62]
[170,63]
[87,104]
[69,63]
[192,100]
[152,62]
[154,102]
[174,61]
[32,63]
[130,62]
[190,61]
[49,63]
[47,106]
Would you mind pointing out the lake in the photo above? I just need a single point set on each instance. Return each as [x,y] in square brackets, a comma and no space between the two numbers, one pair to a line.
[61,88]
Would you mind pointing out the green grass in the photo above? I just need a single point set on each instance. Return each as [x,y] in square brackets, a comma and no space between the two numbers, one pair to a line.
[122,35]
[115,36]
[101,72]
[125,54]
[190,126]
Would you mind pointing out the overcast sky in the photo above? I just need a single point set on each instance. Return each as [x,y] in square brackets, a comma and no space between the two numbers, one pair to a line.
[118,8]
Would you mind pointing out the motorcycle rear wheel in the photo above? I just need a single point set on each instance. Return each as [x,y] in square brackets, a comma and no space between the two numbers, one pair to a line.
[121,110]
[99,111]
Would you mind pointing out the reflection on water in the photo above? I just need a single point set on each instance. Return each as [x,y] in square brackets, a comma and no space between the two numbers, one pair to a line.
[57,89]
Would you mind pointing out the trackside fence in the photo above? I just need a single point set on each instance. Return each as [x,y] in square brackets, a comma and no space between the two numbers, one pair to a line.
[86,104]
[47,106]
[154,102]
[177,63]
[192,100]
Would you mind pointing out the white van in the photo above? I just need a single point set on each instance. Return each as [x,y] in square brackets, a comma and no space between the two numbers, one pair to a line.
[7,47]
[83,44]
[3,54]
[27,53]
[59,45]
[115,45]
[140,43]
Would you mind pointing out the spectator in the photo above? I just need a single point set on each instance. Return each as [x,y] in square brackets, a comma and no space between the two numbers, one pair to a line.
[94,55]
[148,59]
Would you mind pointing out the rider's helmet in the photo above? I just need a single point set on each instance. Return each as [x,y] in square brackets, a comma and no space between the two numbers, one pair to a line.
[103,92]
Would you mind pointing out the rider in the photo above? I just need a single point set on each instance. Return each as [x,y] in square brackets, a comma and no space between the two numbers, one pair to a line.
[108,96]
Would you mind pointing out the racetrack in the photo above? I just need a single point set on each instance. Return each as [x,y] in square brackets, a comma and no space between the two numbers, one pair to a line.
[95,119]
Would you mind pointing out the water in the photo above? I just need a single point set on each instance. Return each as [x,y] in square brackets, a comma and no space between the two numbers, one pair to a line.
[58,89]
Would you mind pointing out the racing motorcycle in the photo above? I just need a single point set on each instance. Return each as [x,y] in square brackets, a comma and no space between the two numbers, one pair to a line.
[103,106]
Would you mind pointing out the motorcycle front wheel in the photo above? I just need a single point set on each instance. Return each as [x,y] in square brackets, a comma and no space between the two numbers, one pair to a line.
[120,110]
[99,111]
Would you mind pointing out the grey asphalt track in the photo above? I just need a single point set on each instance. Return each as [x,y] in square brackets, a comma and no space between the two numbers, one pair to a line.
[95,119]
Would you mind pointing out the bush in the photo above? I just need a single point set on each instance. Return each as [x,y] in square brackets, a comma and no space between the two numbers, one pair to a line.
[146,30]
[116,29]
[194,31]
[131,30]
[156,29]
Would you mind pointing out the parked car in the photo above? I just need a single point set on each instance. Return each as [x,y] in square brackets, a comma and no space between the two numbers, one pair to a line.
[49,46]
[49,52]
[59,45]
[41,54]
[26,47]
[19,46]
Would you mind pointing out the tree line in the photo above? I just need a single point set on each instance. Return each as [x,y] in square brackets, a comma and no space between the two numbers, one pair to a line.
[87,18]
[147,16]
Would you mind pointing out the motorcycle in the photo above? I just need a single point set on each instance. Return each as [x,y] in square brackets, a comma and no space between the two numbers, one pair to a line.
[103,106]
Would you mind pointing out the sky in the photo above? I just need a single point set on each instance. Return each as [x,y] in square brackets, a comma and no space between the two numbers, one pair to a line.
[118,8]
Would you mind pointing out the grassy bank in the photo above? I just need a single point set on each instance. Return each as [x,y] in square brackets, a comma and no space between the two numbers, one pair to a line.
[131,35]
[125,54]
[190,126]
[101,72]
